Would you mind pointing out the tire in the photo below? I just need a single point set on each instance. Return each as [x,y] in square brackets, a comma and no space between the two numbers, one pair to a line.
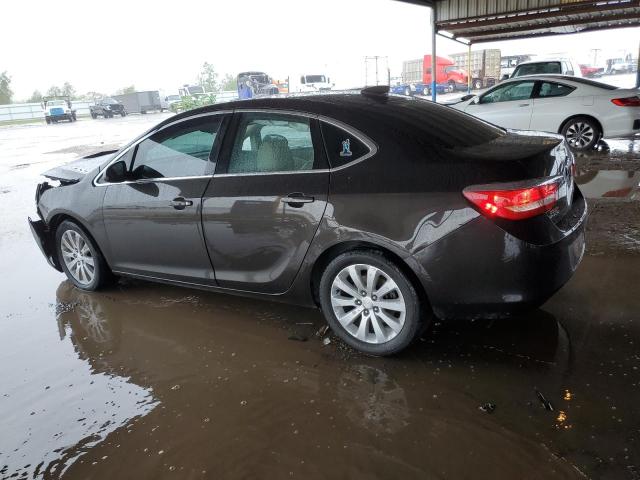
[581,133]
[451,87]
[123,114]
[379,338]
[71,239]
[93,115]
[48,120]
[407,91]
[477,84]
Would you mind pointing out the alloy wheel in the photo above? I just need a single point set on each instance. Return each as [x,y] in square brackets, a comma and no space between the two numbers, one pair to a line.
[77,257]
[368,303]
[579,134]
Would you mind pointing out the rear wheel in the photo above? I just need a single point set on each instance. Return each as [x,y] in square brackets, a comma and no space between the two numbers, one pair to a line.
[80,258]
[582,133]
[370,303]
[407,91]
[451,86]
[48,120]
[93,115]
[477,84]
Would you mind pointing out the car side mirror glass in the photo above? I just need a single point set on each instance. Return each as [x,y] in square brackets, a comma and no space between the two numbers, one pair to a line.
[116,172]
[505,77]
[467,97]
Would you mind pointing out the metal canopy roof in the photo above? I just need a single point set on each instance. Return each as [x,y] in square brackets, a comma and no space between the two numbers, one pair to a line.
[492,20]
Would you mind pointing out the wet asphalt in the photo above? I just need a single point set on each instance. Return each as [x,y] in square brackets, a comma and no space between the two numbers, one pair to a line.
[152,381]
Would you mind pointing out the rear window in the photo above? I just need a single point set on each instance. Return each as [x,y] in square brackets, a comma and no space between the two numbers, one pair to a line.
[540,68]
[449,127]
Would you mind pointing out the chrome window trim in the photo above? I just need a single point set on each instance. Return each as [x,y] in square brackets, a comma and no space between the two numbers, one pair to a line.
[97,183]
[370,144]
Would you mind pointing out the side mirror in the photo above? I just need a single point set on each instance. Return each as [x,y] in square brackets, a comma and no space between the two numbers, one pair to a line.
[467,97]
[117,172]
[505,77]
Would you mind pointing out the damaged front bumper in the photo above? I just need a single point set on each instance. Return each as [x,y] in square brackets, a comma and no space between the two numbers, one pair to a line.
[43,238]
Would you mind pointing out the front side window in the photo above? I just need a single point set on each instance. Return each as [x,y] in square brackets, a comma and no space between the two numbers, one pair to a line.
[179,151]
[509,92]
[271,142]
[342,147]
[552,89]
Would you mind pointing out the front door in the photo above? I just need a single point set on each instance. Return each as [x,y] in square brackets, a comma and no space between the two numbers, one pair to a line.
[263,206]
[508,105]
[153,220]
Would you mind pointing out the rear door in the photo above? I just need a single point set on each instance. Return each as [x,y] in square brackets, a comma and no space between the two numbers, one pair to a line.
[266,200]
[508,105]
[552,104]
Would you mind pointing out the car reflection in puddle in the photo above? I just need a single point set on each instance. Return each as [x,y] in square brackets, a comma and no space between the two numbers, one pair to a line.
[596,184]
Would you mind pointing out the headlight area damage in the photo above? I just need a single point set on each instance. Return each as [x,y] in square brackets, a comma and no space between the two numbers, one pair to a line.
[65,175]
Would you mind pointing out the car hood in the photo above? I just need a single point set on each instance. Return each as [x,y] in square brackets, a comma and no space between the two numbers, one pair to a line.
[73,172]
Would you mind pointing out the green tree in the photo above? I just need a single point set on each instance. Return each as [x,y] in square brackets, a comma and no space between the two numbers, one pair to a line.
[54,91]
[68,90]
[208,78]
[129,89]
[36,97]
[228,83]
[5,88]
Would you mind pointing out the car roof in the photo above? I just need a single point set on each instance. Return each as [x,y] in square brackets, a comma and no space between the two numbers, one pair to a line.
[576,81]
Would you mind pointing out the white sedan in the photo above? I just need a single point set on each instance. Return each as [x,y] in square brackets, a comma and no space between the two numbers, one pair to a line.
[582,110]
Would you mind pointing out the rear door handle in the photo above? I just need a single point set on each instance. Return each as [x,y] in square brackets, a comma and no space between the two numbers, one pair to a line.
[297,199]
[180,203]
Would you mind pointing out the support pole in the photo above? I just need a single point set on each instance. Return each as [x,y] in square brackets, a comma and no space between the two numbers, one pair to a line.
[638,68]
[469,69]
[433,53]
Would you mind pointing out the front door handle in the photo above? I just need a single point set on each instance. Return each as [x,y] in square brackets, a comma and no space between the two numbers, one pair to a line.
[180,203]
[524,104]
[297,199]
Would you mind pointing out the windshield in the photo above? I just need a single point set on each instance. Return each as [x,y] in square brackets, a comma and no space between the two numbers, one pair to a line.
[56,102]
[540,68]
[316,79]
[109,101]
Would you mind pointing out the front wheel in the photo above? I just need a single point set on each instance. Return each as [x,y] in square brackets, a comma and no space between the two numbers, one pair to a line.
[581,133]
[80,258]
[407,91]
[370,303]
[477,84]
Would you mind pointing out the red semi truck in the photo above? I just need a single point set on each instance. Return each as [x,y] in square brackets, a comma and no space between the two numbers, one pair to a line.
[447,73]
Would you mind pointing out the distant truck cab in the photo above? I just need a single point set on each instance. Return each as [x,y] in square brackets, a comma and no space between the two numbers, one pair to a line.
[255,84]
[58,108]
[446,73]
[312,83]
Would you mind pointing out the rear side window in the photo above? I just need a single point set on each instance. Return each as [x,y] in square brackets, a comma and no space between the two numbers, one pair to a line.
[552,89]
[342,146]
[272,142]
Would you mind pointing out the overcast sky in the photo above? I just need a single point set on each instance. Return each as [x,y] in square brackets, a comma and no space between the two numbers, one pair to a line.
[162,45]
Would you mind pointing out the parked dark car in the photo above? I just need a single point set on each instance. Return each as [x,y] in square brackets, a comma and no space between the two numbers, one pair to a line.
[382,210]
[107,107]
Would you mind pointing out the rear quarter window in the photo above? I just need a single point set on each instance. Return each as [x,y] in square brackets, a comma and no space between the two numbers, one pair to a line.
[342,146]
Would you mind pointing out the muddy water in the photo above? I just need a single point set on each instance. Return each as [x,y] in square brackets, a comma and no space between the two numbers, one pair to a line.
[150,381]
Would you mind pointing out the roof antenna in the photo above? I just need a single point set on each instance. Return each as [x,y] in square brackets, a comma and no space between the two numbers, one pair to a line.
[375,91]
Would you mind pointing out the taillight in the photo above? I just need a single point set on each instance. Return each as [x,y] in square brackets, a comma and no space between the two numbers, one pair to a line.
[515,201]
[627,101]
